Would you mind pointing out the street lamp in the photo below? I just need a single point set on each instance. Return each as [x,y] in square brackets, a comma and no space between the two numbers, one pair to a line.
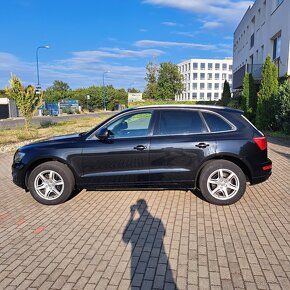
[104,93]
[37,68]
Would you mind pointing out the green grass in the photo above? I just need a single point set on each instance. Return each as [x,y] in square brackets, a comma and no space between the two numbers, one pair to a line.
[278,134]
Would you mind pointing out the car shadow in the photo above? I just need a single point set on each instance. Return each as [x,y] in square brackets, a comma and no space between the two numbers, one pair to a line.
[286,155]
[150,267]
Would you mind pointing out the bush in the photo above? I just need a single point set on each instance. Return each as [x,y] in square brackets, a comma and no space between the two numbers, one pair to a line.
[77,111]
[67,111]
[281,107]
[46,124]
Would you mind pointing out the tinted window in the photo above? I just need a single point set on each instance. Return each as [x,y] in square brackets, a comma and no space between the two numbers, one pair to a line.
[133,125]
[180,122]
[216,123]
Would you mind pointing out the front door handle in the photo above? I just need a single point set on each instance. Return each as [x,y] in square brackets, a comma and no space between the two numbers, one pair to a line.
[202,145]
[140,147]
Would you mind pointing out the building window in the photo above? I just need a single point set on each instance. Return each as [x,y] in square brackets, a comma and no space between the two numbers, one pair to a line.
[194,76]
[188,86]
[230,67]
[216,86]
[202,76]
[209,86]
[224,77]
[194,96]
[195,66]
[201,86]
[276,47]
[209,66]
[209,76]
[188,77]
[216,95]
[225,66]
[230,77]
[194,86]
[252,40]
[209,96]
[201,96]
[202,66]
[217,66]
[216,76]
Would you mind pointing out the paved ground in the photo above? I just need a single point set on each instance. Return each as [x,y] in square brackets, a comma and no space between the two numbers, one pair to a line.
[19,122]
[169,239]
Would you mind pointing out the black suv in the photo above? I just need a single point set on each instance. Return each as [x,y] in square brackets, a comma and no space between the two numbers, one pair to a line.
[214,149]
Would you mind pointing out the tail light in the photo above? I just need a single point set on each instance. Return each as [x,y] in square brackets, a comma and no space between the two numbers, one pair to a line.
[261,142]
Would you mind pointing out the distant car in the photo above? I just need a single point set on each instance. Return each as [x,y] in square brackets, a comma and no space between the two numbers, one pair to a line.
[215,149]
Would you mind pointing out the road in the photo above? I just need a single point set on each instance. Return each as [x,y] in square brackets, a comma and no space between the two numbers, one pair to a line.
[172,240]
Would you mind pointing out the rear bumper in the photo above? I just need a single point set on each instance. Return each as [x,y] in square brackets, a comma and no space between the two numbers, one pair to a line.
[262,175]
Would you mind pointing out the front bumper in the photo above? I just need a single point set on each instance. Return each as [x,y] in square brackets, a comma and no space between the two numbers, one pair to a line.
[18,175]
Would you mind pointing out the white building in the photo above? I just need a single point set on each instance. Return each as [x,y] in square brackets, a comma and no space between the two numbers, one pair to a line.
[264,30]
[204,78]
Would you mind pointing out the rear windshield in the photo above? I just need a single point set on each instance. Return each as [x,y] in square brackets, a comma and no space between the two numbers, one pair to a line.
[216,123]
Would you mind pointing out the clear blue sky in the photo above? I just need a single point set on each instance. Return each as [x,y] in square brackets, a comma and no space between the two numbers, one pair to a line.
[89,37]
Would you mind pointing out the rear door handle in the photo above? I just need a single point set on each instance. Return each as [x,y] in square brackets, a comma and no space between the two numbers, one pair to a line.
[140,147]
[202,145]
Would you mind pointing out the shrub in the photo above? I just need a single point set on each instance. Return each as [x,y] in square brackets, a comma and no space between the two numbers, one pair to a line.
[47,123]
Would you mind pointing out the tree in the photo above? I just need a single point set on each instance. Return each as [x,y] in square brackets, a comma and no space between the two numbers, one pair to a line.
[269,88]
[133,90]
[249,97]
[26,99]
[169,83]
[58,91]
[150,91]
[281,104]
[60,86]
[226,95]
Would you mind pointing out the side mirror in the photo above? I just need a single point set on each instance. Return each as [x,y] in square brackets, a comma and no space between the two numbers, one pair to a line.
[103,134]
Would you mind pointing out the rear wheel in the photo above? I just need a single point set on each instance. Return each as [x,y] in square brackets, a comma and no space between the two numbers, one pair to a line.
[51,183]
[222,182]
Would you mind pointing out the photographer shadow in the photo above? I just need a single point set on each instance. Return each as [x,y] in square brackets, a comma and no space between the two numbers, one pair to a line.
[150,267]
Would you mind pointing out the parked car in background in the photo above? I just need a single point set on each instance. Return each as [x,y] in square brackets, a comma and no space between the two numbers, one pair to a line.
[215,149]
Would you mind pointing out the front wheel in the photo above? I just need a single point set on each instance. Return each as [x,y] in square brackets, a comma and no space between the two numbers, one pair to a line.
[51,183]
[222,182]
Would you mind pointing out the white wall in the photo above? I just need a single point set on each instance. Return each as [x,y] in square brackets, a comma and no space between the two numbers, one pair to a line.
[270,19]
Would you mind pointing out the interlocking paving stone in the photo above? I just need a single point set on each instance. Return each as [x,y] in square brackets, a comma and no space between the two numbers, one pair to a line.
[175,240]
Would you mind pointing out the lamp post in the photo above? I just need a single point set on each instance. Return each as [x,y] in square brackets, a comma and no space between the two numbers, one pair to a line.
[104,93]
[37,67]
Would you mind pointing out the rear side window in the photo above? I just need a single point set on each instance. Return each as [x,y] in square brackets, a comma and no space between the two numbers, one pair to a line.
[216,123]
[180,122]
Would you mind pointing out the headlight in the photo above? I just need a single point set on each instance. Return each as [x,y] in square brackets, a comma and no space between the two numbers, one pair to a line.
[18,156]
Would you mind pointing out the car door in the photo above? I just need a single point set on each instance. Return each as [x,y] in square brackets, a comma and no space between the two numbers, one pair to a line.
[123,158]
[180,142]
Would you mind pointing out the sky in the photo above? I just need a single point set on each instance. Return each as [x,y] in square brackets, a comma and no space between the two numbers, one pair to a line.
[89,37]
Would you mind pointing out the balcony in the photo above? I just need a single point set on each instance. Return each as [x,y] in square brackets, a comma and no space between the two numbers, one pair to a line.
[254,69]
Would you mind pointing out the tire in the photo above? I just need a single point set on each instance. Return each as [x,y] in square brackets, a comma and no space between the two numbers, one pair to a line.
[222,182]
[51,183]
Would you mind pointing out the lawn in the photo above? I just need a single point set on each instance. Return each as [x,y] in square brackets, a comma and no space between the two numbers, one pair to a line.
[48,129]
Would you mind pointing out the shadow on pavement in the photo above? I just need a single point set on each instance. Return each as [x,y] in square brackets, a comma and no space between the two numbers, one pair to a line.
[150,267]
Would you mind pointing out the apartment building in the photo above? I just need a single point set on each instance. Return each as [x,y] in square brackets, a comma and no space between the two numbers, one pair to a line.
[204,78]
[264,30]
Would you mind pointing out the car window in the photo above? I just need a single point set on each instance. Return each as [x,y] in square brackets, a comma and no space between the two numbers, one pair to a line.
[180,122]
[216,123]
[132,125]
